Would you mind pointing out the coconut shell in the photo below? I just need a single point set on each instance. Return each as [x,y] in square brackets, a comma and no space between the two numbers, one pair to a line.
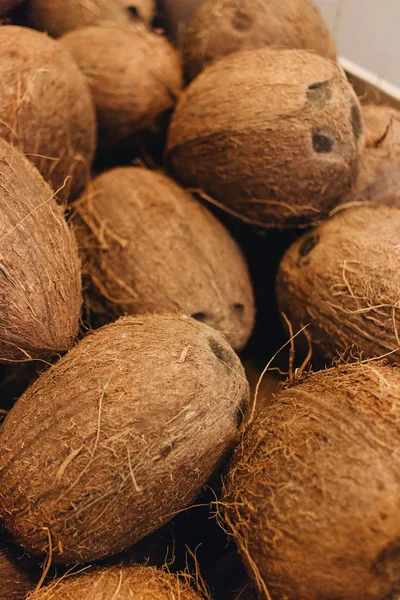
[119,583]
[135,264]
[379,176]
[40,278]
[313,495]
[6,6]
[18,573]
[134,74]
[57,18]
[273,135]
[137,417]
[46,108]
[221,27]
[342,281]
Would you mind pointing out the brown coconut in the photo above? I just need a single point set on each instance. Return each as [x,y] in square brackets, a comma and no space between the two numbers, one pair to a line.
[134,74]
[57,17]
[313,494]
[273,135]
[18,573]
[148,246]
[6,6]
[221,27]
[342,281]
[40,277]
[379,176]
[46,108]
[119,583]
[137,417]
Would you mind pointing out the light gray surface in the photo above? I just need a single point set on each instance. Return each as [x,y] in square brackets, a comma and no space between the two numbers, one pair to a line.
[367,32]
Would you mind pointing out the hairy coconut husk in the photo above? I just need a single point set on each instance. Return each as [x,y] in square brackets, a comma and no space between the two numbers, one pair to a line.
[137,417]
[119,583]
[342,281]
[40,278]
[18,572]
[148,246]
[221,27]
[313,495]
[56,17]
[262,385]
[379,176]
[6,6]
[273,135]
[134,74]
[46,108]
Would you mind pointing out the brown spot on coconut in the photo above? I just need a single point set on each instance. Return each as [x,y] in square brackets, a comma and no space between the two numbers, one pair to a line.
[56,17]
[221,27]
[313,494]
[119,583]
[147,246]
[46,108]
[40,277]
[269,134]
[341,280]
[6,6]
[134,74]
[18,572]
[122,433]
[379,176]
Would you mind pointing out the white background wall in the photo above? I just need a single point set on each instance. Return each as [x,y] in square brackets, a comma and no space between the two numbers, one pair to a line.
[368,33]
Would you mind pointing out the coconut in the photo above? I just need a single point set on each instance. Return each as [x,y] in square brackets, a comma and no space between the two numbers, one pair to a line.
[6,6]
[130,91]
[220,27]
[379,176]
[119,583]
[137,417]
[40,278]
[57,18]
[273,135]
[135,264]
[313,494]
[46,108]
[18,573]
[341,280]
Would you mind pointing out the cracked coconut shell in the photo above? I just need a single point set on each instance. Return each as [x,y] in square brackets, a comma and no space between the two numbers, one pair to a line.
[273,135]
[57,17]
[121,434]
[342,281]
[221,27]
[147,246]
[313,493]
[134,74]
[379,176]
[40,276]
[119,583]
[18,573]
[46,108]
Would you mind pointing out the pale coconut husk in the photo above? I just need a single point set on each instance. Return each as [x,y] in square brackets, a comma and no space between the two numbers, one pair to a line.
[40,278]
[379,176]
[341,281]
[119,583]
[134,74]
[147,246]
[6,6]
[46,108]
[273,135]
[56,17]
[313,494]
[221,27]
[137,417]
[18,573]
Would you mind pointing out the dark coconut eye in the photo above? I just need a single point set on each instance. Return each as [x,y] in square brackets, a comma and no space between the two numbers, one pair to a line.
[319,93]
[308,245]
[356,121]
[241,21]
[322,144]
[133,11]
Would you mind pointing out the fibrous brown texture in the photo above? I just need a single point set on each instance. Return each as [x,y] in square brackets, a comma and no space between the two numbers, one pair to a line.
[119,583]
[137,417]
[313,494]
[148,246]
[379,176]
[57,17]
[273,135]
[134,75]
[221,27]
[342,281]
[6,6]
[18,573]
[40,278]
[46,108]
